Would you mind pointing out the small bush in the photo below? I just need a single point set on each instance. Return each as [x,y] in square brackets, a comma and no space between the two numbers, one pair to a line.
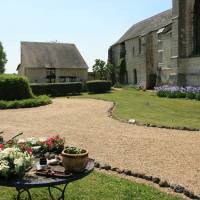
[162,93]
[198,96]
[57,89]
[14,87]
[26,103]
[99,86]
[190,95]
[118,85]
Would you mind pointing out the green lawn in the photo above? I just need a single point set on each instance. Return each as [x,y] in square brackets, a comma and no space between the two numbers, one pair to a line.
[146,107]
[99,186]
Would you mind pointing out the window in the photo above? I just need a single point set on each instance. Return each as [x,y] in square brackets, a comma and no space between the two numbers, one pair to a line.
[140,45]
[196,26]
[160,56]
[160,44]
[135,77]
[51,75]
[133,50]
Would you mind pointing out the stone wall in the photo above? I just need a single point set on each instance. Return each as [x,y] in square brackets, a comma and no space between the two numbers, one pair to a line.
[38,75]
[136,61]
[190,68]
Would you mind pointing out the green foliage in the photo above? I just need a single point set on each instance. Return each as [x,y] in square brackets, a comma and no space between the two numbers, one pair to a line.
[118,85]
[178,94]
[190,95]
[25,103]
[111,72]
[99,69]
[98,86]
[198,96]
[14,87]
[73,150]
[122,71]
[3,59]
[104,71]
[57,89]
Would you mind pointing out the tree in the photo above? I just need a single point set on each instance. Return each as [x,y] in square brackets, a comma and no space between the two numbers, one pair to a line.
[99,69]
[123,71]
[3,59]
[111,72]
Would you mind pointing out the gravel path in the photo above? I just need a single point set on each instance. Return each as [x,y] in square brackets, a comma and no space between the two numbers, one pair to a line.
[169,154]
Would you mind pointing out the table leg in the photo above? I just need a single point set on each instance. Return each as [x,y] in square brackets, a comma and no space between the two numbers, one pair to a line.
[21,190]
[62,196]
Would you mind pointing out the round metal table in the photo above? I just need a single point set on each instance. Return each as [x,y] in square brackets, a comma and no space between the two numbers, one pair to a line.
[27,183]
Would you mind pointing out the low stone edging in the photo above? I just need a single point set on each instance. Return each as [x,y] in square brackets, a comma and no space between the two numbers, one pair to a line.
[110,114]
[162,183]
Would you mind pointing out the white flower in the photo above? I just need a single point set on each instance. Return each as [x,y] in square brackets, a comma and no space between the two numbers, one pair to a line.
[42,139]
[21,141]
[18,161]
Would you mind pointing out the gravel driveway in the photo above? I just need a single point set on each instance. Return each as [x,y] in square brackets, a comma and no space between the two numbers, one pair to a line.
[169,154]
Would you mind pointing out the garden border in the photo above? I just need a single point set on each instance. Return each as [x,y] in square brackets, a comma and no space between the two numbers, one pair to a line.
[156,180]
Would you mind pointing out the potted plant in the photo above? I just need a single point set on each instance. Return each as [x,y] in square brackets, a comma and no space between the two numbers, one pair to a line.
[74,159]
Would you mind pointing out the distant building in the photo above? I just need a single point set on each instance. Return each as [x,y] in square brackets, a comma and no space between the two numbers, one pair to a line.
[52,63]
[165,47]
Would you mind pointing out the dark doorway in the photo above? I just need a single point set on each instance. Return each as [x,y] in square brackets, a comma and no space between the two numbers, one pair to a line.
[196,26]
[51,75]
[135,81]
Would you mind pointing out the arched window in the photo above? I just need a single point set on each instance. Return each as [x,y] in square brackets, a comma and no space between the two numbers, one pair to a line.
[135,81]
[197,27]
[133,50]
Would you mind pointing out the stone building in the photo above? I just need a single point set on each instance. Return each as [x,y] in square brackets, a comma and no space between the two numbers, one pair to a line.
[52,63]
[164,49]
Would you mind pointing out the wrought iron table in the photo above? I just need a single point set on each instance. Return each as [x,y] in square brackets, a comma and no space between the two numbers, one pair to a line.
[29,182]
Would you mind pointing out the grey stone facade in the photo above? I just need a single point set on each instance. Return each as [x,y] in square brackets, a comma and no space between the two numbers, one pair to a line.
[165,46]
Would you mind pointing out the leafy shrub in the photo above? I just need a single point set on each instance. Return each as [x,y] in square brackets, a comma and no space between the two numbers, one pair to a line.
[98,86]
[190,95]
[118,85]
[57,89]
[178,92]
[198,96]
[172,95]
[161,93]
[26,103]
[14,87]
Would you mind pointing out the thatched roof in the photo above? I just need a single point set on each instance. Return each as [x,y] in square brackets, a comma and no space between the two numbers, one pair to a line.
[146,26]
[51,55]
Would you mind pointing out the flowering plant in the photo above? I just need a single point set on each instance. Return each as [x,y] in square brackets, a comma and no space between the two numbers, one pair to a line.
[14,162]
[55,144]
[178,92]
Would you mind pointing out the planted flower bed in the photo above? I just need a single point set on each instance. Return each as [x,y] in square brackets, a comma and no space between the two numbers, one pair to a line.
[179,92]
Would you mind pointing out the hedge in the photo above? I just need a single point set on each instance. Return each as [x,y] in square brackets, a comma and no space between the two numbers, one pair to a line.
[98,86]
[14,87]
[26,103]
[57,89]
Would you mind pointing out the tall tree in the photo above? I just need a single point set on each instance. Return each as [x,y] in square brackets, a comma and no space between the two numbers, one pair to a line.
[111,72]
[3,59]
[99,69]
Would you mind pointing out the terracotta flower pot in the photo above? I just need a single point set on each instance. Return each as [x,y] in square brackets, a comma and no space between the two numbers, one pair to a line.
[74,162]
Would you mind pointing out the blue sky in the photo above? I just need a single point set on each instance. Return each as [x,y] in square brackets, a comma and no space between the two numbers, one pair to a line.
[93,25]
